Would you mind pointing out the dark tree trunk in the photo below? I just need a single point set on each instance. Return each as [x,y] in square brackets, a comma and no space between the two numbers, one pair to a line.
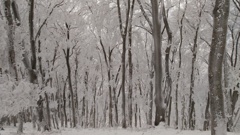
[33,76]
[207,115]
[67,56]
[124,31]
[48,120]
[135,115]
[130,63]
[10,33]
[220,17]
[157,36]
[167,66]
[64,104]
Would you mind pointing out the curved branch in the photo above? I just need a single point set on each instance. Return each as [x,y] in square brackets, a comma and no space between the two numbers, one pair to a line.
[145,15]
[45,21]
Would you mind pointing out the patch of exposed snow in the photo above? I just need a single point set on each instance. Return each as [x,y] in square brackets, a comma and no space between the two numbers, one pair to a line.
[159,130]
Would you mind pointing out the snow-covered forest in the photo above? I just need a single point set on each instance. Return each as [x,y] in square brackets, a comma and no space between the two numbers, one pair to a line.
[126,66]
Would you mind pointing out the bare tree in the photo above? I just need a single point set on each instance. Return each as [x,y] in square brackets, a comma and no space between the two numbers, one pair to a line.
[168,82]
[157,36]
[130,63]
[194,49]
[108,62]
[124,31]
[67,57]
[220,16]
[179,65]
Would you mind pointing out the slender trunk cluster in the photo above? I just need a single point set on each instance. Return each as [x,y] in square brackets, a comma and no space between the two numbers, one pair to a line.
[124,34]
[67,57]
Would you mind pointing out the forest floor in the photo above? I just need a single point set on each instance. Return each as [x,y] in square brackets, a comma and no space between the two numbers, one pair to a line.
[160,130]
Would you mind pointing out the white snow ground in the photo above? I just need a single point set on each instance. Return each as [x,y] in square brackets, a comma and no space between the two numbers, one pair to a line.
[160,130]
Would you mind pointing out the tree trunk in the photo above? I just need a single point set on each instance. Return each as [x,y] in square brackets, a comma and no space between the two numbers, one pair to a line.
[140,118]
[33,76]
[48,120]
[130,63]
[76,87]
[83,110]
[220,16]
[136,118]
[123,31]
[10,33]
[192,84]
[167,66]
[207,115]
[94,103]
[179,65]
[20,123]
[115,97]
[115,105]
[84,104]
[16,13]
[11,52]
[157,36]
[67,56]
[64,104]
[87,115]
[108,62]
[56,118]
[110,96]
[150,111]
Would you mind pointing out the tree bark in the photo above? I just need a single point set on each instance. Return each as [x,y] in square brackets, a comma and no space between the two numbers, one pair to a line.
[207,115]
[191,108]
[16,13]
[33,76]
[167,66]
[64,104]
[20,126]
[10,33]
[150,111]
[220,16]
[108,62]
[157,36]
[67,56]
[48,120]
[179,65]
[123,31]
[130,63]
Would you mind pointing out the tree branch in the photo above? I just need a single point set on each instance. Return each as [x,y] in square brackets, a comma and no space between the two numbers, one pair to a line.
[45,21]
[145,15]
